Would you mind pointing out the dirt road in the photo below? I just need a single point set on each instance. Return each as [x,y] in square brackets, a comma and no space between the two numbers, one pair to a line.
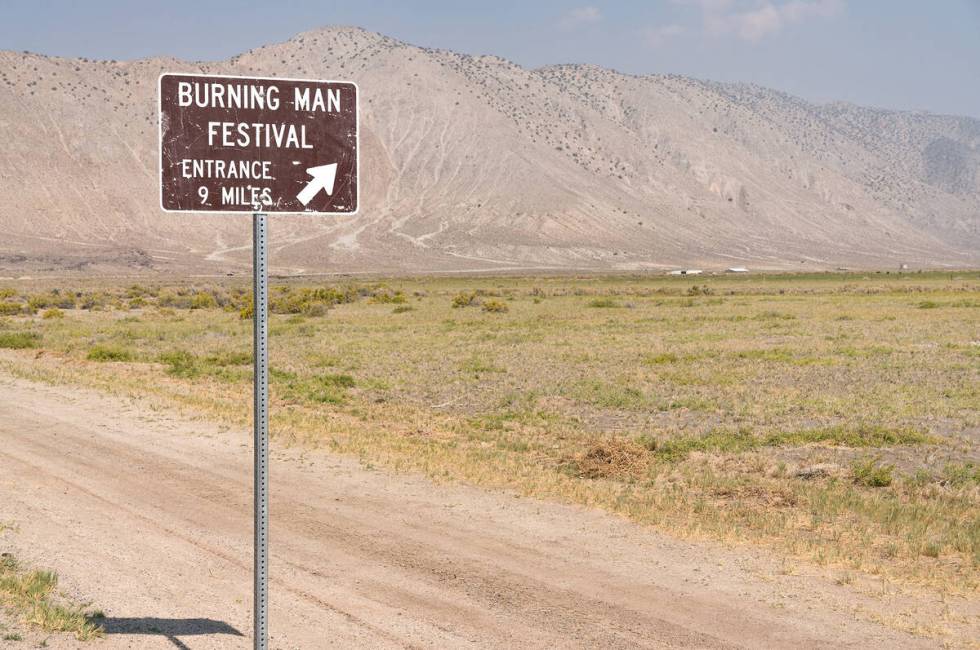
[148,516]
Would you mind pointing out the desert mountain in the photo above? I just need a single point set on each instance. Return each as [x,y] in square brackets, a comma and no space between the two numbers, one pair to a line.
[473,162]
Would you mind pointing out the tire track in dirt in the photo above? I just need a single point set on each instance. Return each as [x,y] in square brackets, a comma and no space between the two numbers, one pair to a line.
[149,514]
[501,590]
[226,557]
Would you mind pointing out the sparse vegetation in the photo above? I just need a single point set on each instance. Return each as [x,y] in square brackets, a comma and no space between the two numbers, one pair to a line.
[746,410]
[871,473]
[661,358]
[203,300]
[319,389]
[603,303]
[10,308]
[19,340]
[384,296]
[465,299]
[478,366]
[495,307]
[33,595]
[107,353]
[180,363]
[961,474]
[702,290]
[741,440]
[222,359]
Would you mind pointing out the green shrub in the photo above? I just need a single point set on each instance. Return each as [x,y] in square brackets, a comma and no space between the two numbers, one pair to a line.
[465,299]
[203,300]
[385,296]
[10,308]
[609,395]
[54,299]
[771,354]
[107,353]
[306,301]
[37,302]
[137,291]
[495,307]
[703,290]
[328,389]
[52,313]
[401,309]
[342,381]
[861,436]
[19,340]
[958,474]
[180,363]
[325,395]
[478,366]
[929,304]
[334,296]
[171,299]
[603,303]
[659,359]
[774,315]
[869,473]
[287,302]
[35,594]
[315,309]
[931,549]
[93,302]
[247,311]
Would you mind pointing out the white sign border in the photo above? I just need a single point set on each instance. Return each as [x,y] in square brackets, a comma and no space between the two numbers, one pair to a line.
[307,213]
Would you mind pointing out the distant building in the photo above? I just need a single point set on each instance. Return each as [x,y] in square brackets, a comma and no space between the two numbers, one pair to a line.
[738,269]
[687,272]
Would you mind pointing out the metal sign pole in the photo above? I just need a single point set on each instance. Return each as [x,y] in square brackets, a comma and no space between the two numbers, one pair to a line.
[310,166]
[260,333]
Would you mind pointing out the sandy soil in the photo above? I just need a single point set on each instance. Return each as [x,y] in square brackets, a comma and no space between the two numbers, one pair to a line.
[148,516]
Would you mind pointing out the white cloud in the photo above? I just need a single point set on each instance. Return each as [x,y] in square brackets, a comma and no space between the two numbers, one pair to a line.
[762,18]
[656,36]
[581,16]
[755,25]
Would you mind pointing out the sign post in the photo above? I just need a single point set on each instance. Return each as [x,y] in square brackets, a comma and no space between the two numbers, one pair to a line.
[260,349]
[264,145]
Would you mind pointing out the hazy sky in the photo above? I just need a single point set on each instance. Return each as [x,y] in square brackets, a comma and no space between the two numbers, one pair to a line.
[905,54]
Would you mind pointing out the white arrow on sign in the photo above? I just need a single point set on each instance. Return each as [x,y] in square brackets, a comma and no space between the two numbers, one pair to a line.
[323,178]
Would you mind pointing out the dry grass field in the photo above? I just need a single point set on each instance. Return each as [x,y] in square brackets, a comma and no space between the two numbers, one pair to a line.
[834,419]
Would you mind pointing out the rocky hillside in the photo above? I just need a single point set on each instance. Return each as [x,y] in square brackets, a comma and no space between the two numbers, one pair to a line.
[477,163]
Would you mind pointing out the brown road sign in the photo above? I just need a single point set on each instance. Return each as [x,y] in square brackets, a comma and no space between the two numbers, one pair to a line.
[258,144]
